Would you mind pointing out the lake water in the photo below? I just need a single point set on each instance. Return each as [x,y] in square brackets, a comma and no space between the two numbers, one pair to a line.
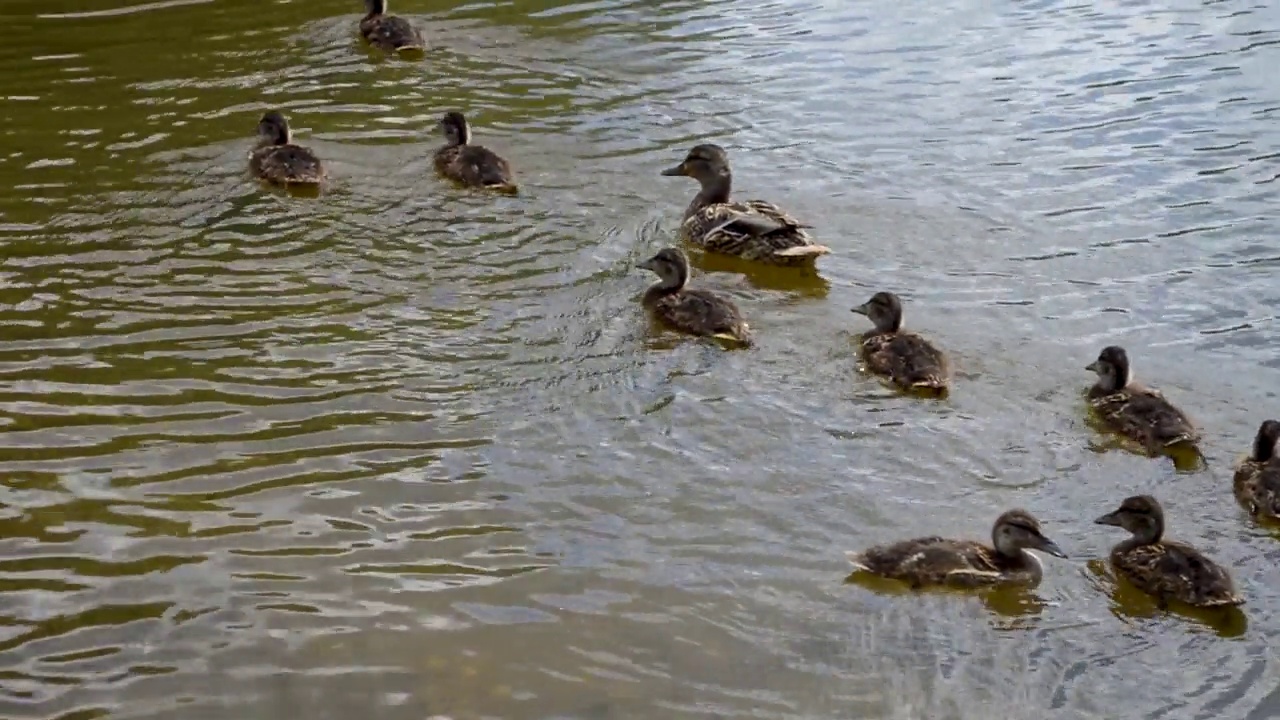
[407,451]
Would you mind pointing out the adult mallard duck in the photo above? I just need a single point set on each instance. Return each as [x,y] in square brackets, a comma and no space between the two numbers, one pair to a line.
[1161,568]
[1257,476]
[473,165]
[965,563]
[907,359]
[389,33]
[751,229]
[699,312]
[276,159]
[1133,410]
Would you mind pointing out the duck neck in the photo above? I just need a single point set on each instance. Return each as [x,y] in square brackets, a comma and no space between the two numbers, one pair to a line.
[1149,536]
[715,190]
[670,284]
[1264,448]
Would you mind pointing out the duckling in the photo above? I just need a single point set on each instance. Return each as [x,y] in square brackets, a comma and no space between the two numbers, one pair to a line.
[1133,410]
[1161,568]
[1257,477]
[909,360]
[965,563]
[276,159]
[699,312]
[752,229]
[469,164]
[389,33]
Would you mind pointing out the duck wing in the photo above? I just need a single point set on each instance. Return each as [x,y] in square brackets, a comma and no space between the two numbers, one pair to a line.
[755,230]
[1260,489]
[290,164]
[703,312]
[909,359]
[1146,416]
[391,32]
[931,560]
[1175,571]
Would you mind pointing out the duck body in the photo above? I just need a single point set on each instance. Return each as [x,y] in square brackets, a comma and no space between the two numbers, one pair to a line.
[1140,413]
[278,160]
[694,311]
[752,229]
[1257,476]
[471,165]
[1164,569]
[936,560]
[389,33]
[907,359]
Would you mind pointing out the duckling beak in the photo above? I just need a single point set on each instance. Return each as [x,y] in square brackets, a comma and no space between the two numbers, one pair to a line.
[646,265]
[1108,519]
[1093,366]
[1051,547]
[677,170]
[861,309]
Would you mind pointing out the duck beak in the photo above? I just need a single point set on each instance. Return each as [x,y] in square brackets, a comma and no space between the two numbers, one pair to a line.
[861,309]
[1051,547]
[1093,366]
[646,265]
[1108,519]
[674,171]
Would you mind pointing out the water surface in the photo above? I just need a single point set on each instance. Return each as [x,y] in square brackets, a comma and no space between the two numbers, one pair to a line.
[406,450]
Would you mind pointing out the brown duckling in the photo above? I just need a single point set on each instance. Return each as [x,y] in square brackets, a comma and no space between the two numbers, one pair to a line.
[907,359]
[1257,476]
[473,165]
[389,33]
[276,159]
[1161,568]
[699,312]
[750,229]
[1133,410]
[965,563]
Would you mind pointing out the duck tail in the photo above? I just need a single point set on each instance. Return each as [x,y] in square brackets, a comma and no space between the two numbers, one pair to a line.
[801,251]
[410,49]
[1186,438]
[1223,602]
[742,339]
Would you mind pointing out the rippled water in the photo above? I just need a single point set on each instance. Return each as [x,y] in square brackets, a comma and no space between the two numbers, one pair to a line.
[407,450]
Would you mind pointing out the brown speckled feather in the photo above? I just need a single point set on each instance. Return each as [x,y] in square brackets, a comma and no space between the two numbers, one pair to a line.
[286,164]
[1144,415]
[390,33]
[1174,571]
[907,359]
[753,230]
[474,165]
[1257,486]
[939,561]
[699,312]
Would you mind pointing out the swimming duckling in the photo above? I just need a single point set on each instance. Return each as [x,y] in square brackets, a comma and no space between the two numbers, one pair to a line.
[389,33]
[1257,477]
[700,312]
[1133,410]
[752,229]
[907,359]
[276,159]
[473,165]
[965,563]
[1161,568]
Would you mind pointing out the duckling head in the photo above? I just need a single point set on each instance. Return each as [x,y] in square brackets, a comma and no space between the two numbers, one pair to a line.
[1018,530]
[455,128]
[376,7]
[705,163]
[671,265]
[1112,367]
[1140,515]
[273,129]
[1264,447]
[884,309]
